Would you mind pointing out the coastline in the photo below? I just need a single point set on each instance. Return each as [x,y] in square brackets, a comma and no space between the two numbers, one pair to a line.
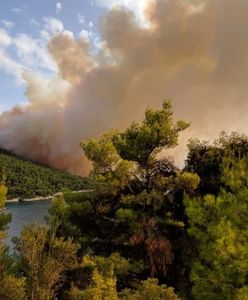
[40,198]
[20,200]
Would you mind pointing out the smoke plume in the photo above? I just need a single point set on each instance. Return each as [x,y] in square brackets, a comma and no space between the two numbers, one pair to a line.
[195,52]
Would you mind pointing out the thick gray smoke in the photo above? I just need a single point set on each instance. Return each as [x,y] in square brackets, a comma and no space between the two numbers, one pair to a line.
[195,52]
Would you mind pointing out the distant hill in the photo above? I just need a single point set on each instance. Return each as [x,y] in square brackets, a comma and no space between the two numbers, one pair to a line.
[25,178]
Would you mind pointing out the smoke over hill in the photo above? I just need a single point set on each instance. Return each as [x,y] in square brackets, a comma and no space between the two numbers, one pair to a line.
[195,52]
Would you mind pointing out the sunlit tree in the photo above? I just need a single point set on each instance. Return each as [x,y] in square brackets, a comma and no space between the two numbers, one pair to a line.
[219,226]
[43,259]
[136,208]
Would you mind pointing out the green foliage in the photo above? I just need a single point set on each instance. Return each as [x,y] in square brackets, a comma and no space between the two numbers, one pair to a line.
[27,179]
[188,181]
[104,288]
[4,218]
[119,265]
[145,226]
[242,294]
[102,153]
[206,160]
[12,288]
[141,142]
[43,259]
[101,288]
[108,167]
[149,290]
[218,223]
[136,207]
[3,194]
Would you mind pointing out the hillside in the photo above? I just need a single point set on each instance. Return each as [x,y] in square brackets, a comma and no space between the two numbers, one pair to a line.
[25,178]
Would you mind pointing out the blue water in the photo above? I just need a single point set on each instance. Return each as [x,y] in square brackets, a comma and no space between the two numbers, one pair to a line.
[23,214]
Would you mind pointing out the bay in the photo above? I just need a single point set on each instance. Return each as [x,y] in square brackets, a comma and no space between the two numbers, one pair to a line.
[24,213]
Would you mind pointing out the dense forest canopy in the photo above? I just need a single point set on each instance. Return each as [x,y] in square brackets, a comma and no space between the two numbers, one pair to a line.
[25,178]
[148,230]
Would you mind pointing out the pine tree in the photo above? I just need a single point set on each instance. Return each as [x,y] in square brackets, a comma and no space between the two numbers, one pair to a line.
[219,226]
[136,209]
[11,288]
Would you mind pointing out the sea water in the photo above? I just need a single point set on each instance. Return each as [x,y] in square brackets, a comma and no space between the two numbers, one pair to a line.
[24,213]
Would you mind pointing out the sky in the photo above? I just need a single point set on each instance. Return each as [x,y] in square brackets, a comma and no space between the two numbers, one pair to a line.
[71,70]
[27,26]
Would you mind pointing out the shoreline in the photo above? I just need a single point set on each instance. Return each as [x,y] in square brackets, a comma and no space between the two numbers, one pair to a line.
[41,198]
[22,200]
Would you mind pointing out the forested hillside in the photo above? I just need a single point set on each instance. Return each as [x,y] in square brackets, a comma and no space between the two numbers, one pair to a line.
[27,179]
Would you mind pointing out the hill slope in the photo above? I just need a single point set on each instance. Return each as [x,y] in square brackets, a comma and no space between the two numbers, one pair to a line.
[25,178]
